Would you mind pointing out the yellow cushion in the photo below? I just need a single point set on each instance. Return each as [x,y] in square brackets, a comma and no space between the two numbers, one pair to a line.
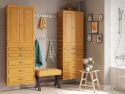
[48,72]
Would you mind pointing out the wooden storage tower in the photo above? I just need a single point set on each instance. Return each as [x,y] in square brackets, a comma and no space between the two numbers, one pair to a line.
[20,45]
[70,43]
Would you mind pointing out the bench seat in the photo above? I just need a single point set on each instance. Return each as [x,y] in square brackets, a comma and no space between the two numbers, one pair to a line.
[48,72]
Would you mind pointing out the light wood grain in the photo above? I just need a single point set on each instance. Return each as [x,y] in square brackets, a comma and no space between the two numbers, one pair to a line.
[70,43]
[48,72]
[20,45]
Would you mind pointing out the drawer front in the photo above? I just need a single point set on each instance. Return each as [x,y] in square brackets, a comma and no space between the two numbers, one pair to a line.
[14,62]
[68,54]
[71,75]
[20,55]
[72,69]
[72,47]
[67,67]
[20,50]
[20,80]
[73,52]
[72,62]
[20,71]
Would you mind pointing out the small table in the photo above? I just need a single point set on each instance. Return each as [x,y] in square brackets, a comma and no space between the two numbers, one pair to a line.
[93,77]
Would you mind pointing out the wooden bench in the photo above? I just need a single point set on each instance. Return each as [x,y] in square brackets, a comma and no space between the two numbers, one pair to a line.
[48,72]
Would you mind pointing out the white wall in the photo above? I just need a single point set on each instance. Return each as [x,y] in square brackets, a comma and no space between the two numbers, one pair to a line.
[107,44]
[41,6]
[117,72]
[115,4]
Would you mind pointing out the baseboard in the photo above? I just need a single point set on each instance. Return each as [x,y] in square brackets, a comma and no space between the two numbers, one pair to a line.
[106,87]
[7,88]
[3,88]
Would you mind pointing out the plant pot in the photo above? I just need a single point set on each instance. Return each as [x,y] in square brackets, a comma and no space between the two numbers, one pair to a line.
[91,68]
[87,68]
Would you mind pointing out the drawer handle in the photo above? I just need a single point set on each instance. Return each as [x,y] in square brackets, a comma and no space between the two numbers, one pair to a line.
[20,79]
[19,70]
[73,53]
[20,55]
[20,48]
[20,62]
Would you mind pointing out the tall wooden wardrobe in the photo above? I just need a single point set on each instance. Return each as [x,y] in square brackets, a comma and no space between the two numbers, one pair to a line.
[20,45]
[70,43]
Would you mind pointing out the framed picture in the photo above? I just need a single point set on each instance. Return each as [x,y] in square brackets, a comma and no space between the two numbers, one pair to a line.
[94,27]
[90,17]
[89,38]
[99,38]
[100,18]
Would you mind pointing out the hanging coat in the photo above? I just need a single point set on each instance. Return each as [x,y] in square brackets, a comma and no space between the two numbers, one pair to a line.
[51,54]
[38,56]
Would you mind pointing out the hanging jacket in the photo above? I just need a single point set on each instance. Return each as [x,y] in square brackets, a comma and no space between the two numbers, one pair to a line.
[51,54]
[38,56]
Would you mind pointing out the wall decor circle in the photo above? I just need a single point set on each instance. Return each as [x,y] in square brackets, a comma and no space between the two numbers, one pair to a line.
[89,38]
[100,18]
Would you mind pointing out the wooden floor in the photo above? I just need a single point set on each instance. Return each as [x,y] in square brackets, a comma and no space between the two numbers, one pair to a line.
[66,89]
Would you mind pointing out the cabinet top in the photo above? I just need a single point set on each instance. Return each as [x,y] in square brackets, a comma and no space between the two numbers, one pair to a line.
[70,11]
[10,5]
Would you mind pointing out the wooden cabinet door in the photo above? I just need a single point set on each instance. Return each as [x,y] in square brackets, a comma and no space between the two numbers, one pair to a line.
[26,26]
[79,29]
[13,28]
[69,28]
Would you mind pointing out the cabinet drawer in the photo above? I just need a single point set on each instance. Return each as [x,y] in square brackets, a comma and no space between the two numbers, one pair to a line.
[21,66]
[19,55]
[20,72]
[20,50]
[73,64]
[72,68]
[71,75]
[20,83]
[14,62]
[68,54]
[73,53]
[20,80]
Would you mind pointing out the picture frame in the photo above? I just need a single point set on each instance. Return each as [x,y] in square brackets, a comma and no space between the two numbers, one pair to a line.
[94,27]
[99,38]
[90,17]
[89,38]
[100,17]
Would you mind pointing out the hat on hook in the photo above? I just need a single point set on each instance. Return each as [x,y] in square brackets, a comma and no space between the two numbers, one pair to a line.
[42,23]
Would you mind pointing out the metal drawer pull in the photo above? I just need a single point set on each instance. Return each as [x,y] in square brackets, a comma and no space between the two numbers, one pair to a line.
[20,70]
[20,48]
[20,55]
[20,62]
[20,79]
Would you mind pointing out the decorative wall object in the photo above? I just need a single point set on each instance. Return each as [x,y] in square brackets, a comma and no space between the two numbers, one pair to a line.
[100,18]
[89,38]
[99,38]
[42,23]
[90,17]
[94,27]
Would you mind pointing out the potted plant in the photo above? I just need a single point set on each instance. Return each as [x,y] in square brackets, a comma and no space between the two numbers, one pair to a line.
[88,62]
